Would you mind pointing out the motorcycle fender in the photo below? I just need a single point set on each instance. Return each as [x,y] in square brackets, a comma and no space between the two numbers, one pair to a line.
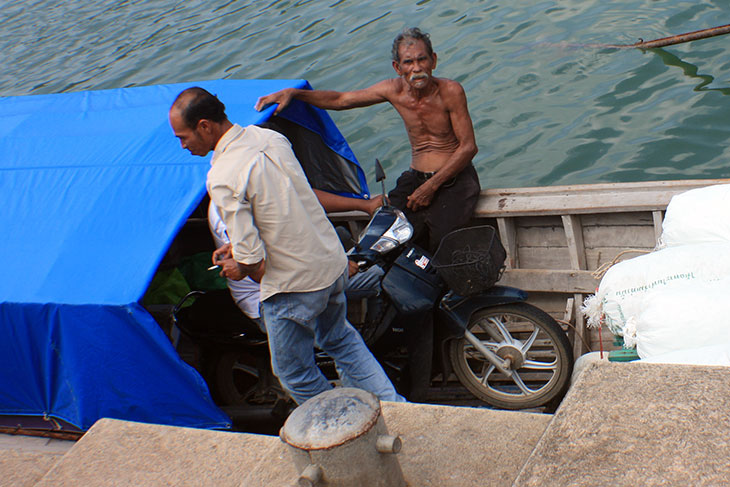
[455,311]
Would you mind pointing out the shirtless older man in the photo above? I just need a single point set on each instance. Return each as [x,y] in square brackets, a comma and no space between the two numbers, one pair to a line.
[440,190]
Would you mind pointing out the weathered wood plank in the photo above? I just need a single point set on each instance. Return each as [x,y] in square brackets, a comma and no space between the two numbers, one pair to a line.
[508,237]
[618,219]
[549,280]
[577,252]
[619,229]
[588,198]
[597,257]
[641,186]
[554,258]
[574,238]
[624,237]
[658,220]
[539,236]
[552,303]
[569,310]
[579,347]
[544,258]
[631,218]
[593,237]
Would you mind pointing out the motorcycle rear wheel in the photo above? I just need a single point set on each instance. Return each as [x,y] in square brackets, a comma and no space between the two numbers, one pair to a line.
[240,379]
[540,353]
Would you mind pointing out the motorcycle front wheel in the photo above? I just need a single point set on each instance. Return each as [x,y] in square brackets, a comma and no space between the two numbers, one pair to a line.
[539,353]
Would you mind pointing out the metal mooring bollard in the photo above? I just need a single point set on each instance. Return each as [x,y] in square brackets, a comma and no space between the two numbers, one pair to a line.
[339,439]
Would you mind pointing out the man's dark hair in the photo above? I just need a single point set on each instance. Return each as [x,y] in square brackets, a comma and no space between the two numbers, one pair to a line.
[196,104]
[410,35]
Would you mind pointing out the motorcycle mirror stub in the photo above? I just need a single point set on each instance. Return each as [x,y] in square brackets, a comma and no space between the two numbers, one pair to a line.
[379,172]
[380,178]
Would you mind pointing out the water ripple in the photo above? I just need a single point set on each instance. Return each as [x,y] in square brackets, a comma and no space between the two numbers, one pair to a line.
[549,105]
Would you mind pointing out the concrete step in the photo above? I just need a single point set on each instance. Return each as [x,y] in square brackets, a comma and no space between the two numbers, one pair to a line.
[24,460]
[629,424]
[442,446]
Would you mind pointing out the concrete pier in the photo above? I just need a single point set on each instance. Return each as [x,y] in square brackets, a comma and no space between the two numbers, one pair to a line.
[442,446]
[621,424]
[629,424]
[24,460]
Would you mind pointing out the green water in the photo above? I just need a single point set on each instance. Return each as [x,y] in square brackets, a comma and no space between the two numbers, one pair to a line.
[547,108]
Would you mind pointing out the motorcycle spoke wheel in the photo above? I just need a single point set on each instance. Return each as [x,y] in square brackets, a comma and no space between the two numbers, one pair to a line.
[540,356]
[239,381]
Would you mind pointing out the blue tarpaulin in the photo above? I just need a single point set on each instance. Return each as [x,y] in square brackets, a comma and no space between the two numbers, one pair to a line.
[95,187]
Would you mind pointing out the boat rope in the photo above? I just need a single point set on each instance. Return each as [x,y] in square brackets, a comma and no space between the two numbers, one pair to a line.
[603,268]
[575,330]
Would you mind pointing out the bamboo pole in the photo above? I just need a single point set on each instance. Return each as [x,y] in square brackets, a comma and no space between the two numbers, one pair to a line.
[678,39]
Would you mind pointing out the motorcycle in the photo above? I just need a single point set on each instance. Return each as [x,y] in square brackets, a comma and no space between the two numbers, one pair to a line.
[429,317]
[446,314]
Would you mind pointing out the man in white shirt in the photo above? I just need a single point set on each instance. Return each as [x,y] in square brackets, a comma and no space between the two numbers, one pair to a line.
[245,292]
[281,237]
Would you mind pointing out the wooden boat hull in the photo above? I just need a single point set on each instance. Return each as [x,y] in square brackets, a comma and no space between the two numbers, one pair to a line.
[556,237]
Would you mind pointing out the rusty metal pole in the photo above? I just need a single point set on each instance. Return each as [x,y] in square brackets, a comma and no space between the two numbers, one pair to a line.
[678,39]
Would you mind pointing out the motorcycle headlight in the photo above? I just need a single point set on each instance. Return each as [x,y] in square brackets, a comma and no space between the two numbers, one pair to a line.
[399,233]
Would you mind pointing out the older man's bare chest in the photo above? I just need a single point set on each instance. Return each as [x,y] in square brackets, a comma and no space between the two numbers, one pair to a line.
[424,117]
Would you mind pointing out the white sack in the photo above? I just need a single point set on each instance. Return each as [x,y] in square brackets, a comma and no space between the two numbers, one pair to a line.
[682,315]
[621,291]
[710,355]
[696,216]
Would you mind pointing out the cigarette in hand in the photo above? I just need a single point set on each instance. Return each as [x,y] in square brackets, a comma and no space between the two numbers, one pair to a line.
[213,267]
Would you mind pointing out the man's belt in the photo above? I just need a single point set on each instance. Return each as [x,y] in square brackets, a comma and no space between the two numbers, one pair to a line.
[423,176]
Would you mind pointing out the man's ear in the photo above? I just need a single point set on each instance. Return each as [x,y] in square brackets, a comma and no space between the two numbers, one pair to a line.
[434,61]
[396,66]
[205,126]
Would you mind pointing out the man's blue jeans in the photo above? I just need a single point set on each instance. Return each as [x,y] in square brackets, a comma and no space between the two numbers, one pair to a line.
[297,322]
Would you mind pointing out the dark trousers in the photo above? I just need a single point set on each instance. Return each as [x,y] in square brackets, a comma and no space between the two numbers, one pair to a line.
[452,206]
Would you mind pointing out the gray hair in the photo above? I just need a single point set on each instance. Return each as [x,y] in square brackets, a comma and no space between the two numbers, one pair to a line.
[409,36]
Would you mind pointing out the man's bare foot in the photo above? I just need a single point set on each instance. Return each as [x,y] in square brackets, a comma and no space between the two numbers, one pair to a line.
[373,204]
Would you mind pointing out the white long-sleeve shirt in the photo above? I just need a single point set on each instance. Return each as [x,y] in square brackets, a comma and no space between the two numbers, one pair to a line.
[271,212]
[245,292]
